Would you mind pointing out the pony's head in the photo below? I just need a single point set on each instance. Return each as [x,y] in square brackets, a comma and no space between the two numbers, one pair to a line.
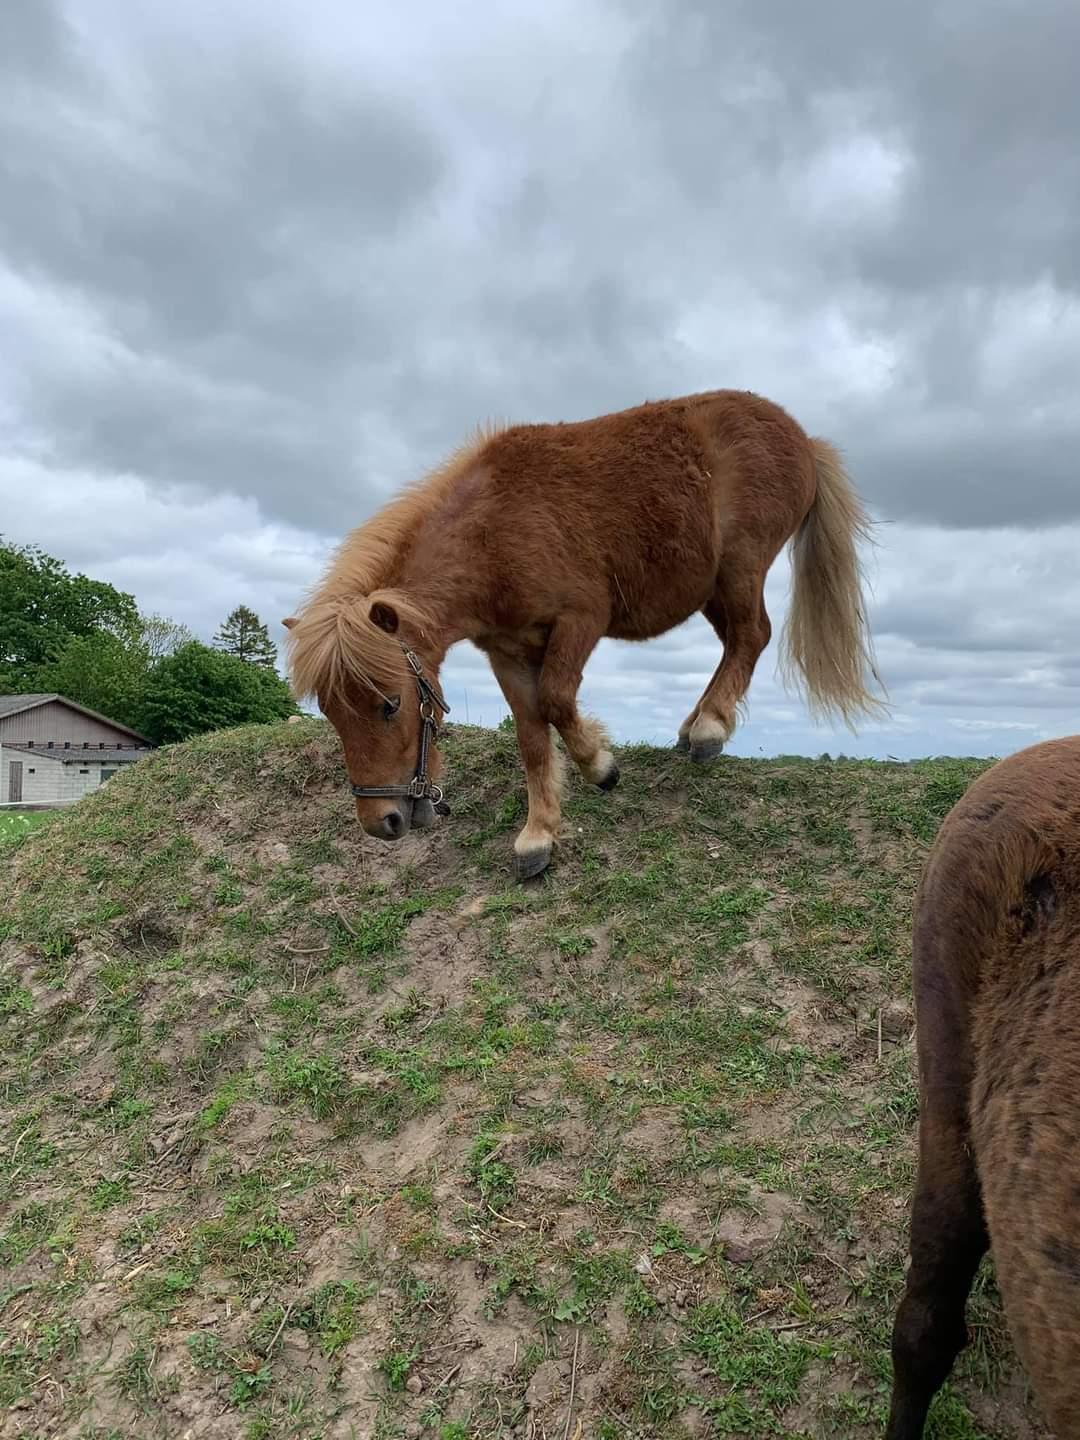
[351,654]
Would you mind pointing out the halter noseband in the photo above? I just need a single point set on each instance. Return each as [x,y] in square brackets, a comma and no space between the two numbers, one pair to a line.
[421,786]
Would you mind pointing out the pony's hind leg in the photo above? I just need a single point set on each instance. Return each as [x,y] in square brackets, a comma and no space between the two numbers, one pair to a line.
[747,631]
[570,643]
[713,610]
[520,683]
[948,1240]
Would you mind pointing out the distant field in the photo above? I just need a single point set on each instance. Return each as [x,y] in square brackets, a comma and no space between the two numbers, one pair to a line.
[15,823]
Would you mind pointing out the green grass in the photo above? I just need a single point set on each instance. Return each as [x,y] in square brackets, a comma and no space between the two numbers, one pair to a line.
[14,824]
[340,1139]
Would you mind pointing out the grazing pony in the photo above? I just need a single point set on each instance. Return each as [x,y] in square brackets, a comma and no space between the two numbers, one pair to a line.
[534,542]
[997,999]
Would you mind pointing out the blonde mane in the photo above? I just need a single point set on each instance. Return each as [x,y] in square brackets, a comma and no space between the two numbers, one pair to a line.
[333,640]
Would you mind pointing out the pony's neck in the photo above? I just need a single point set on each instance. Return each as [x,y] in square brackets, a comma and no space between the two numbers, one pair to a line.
[438,580]
[418,548]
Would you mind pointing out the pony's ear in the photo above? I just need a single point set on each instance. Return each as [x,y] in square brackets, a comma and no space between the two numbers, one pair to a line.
[384,616]
[289,621]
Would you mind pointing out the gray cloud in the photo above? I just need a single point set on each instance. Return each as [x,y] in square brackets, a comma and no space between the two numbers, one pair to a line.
[195,222]
[35,42]
[978,103]
[780,124]
[257,275]
[765,196]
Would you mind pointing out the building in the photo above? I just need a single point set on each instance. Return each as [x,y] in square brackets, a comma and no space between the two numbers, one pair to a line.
[53,751]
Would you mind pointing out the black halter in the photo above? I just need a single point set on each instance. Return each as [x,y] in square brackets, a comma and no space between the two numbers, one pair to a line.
[421,786]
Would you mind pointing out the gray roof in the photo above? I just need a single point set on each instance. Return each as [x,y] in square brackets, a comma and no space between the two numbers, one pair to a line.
[126,755]
[16,704]
[12,704]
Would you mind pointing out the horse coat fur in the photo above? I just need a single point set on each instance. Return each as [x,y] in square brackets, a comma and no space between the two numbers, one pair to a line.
[997,999]
[537,541]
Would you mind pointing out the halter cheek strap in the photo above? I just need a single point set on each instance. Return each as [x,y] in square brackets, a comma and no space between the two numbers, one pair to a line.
[421,786]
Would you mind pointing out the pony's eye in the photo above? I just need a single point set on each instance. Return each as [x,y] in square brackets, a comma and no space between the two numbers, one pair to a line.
[391,707]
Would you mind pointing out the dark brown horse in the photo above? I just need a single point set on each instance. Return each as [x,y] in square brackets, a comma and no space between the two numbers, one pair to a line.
[997,1000]
[535,542]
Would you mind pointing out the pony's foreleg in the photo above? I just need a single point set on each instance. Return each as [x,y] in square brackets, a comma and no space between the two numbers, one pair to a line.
[519,683]
[572,640]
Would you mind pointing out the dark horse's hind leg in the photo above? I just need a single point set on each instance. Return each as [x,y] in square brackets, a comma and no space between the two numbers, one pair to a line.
[948,1240]
[948,1229]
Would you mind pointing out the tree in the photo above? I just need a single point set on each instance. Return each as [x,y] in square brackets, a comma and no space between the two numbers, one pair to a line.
[161,636]
[245,636]
[108,673]
[198,689]
[42,606]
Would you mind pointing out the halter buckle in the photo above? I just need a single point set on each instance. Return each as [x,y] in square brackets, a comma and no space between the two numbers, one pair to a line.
[419,787]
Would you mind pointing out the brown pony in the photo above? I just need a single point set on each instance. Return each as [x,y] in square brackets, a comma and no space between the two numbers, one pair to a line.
[997,998]
[536,541]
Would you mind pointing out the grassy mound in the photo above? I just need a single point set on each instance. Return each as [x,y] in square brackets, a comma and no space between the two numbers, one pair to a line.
[301,1136]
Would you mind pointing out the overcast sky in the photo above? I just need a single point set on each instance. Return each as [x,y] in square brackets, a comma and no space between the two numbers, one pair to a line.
[262,264]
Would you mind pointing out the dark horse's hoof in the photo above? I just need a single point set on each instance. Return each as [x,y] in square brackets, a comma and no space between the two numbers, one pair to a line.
[706,750]
[683,743]
[610,780]
[530,863]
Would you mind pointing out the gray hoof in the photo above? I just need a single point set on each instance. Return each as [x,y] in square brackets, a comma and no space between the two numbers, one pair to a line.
[683,743]
[706,750]
[532,863]
[610,780]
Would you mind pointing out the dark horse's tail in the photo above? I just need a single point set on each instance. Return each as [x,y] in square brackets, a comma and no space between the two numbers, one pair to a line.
[826,648]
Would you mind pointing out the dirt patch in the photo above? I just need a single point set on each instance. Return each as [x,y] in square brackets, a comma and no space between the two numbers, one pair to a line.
[811,1019]
[753,1229]
[414,1151]
[654,1137]
[1009,1412]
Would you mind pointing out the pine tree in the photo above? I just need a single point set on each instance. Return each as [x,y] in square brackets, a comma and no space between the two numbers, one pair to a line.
[245,636]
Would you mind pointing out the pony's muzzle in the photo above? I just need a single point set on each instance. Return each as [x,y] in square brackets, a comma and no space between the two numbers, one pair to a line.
[393,825]
[423,815]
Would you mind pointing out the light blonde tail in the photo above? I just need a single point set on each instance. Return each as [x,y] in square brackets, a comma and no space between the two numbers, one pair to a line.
[826,650]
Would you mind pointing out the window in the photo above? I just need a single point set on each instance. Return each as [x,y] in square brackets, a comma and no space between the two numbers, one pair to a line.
[105,775]
[84,772]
